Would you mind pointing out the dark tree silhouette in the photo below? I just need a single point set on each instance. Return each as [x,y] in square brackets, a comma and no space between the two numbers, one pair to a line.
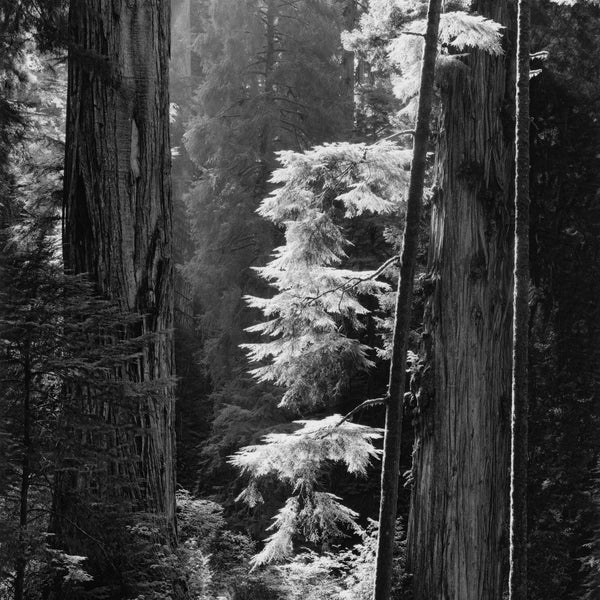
[408,261]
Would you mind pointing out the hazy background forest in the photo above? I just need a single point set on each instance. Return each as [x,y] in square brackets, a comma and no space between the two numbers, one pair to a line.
[178,352]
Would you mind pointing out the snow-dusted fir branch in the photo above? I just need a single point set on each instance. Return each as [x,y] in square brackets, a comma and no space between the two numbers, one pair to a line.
[298,459]
[306,351]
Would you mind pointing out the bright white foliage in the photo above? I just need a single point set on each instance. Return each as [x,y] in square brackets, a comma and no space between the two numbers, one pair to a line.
[459,31]
[344,574]
[298,458]
[463,30]
[318,519]
[307,351]
[279,544]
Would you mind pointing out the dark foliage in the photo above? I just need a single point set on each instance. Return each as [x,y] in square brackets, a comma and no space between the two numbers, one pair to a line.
[565,321]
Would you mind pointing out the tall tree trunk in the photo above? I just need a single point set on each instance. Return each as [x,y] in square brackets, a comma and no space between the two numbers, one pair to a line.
[408,261]
[520,374]
[117,228]
[457,526]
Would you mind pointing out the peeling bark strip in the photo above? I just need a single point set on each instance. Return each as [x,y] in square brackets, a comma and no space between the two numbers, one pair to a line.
[520,377]
[117,221]
[457,534]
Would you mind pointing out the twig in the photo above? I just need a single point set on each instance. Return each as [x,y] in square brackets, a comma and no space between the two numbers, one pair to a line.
[398,134]
[361,406]
[412,33]
[347,285]
[92,538]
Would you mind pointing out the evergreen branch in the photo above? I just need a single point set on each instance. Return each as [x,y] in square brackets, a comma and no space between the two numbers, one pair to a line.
[366,404]
[356,281]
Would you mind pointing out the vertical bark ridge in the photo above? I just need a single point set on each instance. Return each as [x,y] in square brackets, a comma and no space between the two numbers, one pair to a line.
[457,526]
[117,228]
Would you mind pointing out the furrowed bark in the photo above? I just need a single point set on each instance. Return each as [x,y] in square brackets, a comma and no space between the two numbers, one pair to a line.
[457,527]
[118,229]
[520,375]
[408,260]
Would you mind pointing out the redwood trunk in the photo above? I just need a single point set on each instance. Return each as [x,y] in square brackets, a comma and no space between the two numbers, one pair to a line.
[458,522]
[117,228]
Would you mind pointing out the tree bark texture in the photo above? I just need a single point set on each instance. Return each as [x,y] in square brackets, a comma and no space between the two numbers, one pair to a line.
[457,534]
[520,372]
[118,229]
[408,260]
